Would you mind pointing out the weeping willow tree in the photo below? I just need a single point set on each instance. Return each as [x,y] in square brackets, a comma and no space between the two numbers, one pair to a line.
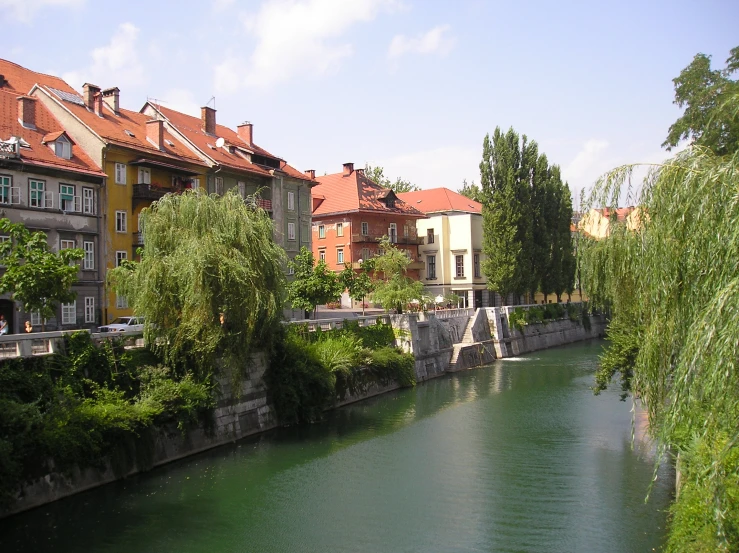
[672,281]
[210,281]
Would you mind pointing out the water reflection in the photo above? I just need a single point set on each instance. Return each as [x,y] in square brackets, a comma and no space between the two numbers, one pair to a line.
[511,457]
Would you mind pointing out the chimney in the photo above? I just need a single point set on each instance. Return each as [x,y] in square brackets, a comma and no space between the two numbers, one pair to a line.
[348,169]
[311,173]
[360,172]
[27,111]
[246,132]
[155,132]
[111,96]
[88,93]
[208,116]
[97,104]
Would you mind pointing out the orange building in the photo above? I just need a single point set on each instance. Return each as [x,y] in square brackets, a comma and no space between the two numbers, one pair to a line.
[351,214]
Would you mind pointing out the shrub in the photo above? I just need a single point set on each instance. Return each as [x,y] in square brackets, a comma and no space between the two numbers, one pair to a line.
[392,365]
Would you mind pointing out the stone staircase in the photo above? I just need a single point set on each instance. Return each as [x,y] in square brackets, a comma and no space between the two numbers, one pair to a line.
[467,339]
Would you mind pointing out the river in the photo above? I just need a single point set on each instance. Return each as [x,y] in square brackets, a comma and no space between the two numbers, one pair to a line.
[518,456]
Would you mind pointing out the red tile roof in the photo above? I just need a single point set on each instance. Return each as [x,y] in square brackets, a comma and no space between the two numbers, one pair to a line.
[436,200]
[356,192]
[192,129]
[47,127]
[111,128]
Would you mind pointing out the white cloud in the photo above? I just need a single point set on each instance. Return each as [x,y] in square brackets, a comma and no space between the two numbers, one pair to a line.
[296,39]
[445,167]
[116,64]
[433,41]
[181,100]
[589,159]
[25,10]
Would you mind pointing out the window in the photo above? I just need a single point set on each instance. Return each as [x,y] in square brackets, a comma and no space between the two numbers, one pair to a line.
[291,201]
[121,302]
[476,263]
[321,231]
[36,193]
[120,257]
[365,253]
[340,256]
[291,231]
[365,228]
[241,185]
[88,201]
[69,313]
[89,259]
[90,309]
[430,236]
[431,266]
[339,229]
[290,267]
[7,192]
[120,173]
[66,244]
[195,184]
[66,197]
[322,255]
[304,234]
[392,233]
[36,318]
[459,262]
[63,148]
[144,175]
[219,185]
[121,221]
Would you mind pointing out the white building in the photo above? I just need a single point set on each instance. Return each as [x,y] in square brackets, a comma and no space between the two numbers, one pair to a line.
[452,247]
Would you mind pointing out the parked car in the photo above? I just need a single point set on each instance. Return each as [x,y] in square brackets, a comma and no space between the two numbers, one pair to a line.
[123,323]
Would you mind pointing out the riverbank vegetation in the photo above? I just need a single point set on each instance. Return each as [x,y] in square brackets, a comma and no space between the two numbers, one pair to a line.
[673,286]
[527,212]
[310,371]
[520,317]
[87,405]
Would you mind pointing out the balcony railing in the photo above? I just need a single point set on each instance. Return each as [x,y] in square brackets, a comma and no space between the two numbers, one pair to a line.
[138,238]
[374,238]
[148,192]
[266,205]
[9,150]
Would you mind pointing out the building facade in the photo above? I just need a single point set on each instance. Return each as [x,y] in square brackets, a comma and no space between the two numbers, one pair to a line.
[452,246]
[351,214]
[48,183]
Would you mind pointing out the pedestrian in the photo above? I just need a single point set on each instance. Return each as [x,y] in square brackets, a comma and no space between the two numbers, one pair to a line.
[3,325]
[29,327]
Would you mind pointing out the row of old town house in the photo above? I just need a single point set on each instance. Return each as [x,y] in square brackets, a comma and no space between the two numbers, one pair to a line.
[80,168]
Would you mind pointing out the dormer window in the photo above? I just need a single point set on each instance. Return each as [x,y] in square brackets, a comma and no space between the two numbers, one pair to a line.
[62,147]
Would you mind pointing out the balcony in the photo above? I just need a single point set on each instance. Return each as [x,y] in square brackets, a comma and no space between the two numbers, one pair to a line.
[148,192]
[9,150]
[374,238]
[138,238]
[266,205]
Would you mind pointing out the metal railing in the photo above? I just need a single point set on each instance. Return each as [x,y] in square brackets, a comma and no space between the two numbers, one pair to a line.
[374,238]
[9,150]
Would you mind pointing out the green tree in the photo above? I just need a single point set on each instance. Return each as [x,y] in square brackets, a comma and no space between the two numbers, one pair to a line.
[359,283]
[393,287]
[471,191]
[377,175]
[313,284]
[673,285]
[205,256]
[34,275]
[506,230]
[710,119]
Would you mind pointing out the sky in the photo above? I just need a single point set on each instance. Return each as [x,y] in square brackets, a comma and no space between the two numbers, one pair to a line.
[410,85]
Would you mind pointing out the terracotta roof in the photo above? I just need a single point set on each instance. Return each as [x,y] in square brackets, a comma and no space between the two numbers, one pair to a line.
[356,192]
[192,129]
[21,80]
[436,200]
[128,130]
[621,212]
[46,125]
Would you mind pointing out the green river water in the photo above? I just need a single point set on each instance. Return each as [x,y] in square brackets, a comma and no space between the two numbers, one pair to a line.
[518,456]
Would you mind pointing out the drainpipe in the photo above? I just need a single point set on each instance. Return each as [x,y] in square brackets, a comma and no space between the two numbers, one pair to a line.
[102,244]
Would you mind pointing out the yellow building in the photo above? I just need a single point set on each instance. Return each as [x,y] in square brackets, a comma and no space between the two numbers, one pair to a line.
[142,159]
[596,223]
